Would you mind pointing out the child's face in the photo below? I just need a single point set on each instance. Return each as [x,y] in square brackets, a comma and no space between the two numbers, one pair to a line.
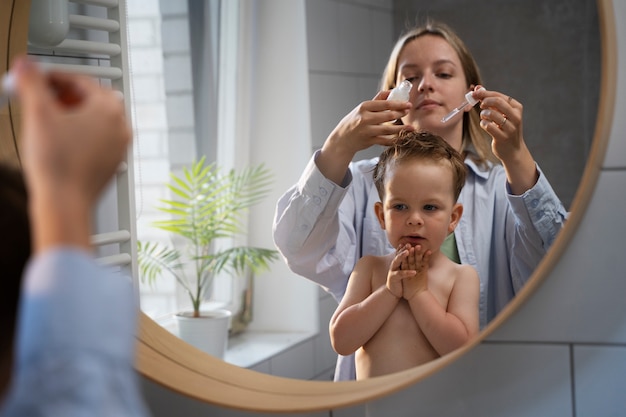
[418,205]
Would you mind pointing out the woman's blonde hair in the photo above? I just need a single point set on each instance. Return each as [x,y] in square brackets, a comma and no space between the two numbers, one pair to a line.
[473,135]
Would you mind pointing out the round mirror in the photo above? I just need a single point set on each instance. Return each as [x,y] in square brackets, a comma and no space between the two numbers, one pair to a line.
[165,359]
[211,380]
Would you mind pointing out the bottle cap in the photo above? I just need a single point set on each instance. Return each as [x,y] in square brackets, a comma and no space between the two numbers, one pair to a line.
[470,100]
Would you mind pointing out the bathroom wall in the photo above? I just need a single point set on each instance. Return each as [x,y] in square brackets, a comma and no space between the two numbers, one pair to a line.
[546,55]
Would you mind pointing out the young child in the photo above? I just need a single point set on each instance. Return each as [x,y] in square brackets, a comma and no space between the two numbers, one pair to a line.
[414,305]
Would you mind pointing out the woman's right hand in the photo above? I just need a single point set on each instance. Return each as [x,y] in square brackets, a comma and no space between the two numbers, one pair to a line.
[369,123]
[74,137]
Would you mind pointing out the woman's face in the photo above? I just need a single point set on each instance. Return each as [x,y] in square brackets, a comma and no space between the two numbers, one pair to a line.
[439,85]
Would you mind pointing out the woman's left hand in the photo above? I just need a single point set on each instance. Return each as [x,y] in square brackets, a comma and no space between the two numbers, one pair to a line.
[501,117]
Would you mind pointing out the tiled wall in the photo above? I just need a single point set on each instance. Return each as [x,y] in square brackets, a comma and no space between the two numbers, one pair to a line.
[543,53]
[349,43]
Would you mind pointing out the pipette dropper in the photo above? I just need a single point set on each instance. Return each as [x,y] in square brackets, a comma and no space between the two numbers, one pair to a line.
[469,100]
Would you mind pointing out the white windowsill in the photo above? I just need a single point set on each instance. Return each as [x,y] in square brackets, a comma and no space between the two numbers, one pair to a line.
[253,347]
[250,348]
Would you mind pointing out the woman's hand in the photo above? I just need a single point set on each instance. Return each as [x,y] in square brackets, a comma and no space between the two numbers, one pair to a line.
[74,137]
[501,117]
[369,123]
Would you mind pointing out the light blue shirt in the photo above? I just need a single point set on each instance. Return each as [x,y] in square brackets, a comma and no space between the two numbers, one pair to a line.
[75,341]
[322,229]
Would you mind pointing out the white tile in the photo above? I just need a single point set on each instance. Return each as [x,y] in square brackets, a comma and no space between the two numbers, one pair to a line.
[582,299]
[180,111]
[378,4]
[332,97]
[326,375]
[322,35]
[167,403]
[143,32]
[178,74]
[175,35]
[296,362]
[143,8]
[173,7]
[600,378]
[354,411]
[146,61]
[616,152]
[355,47]
[368,86]
[150,116]
[382,39]
[157,170]
[182,146]
[147,88]
[491,380]
[149,144]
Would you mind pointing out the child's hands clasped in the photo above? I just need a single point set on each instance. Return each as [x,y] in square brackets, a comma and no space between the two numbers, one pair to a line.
[408,273]
[417,260]
[397,274]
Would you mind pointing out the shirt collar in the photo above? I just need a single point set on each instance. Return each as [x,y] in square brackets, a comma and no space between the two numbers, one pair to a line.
[482,170]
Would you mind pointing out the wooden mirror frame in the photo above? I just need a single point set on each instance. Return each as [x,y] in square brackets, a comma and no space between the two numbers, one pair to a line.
[13,39]
[170,362]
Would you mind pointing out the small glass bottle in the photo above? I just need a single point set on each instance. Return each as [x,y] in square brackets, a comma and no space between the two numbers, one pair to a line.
[401,92]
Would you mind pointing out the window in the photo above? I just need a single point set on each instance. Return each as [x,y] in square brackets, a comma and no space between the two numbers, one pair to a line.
[204,83]
[174,65]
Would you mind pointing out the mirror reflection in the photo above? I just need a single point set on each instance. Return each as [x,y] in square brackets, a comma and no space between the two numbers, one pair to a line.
[187,65]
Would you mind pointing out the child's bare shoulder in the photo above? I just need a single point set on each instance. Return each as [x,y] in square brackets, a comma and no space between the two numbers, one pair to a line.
[374,259]
[464,271]
[458,270]
[370,261]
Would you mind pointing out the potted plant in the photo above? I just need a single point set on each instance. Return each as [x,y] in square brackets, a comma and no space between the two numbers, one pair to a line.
[206,208]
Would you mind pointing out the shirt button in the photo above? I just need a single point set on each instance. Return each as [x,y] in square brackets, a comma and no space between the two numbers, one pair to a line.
[540,214]
[317,200]
[304,226]
[323,191]
[534,203]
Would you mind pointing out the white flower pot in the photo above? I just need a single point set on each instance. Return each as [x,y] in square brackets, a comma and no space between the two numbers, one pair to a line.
[209,332]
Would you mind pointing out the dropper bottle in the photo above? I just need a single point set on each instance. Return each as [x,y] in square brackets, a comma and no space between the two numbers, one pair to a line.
[7,88]
[469,100]
[401,92]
